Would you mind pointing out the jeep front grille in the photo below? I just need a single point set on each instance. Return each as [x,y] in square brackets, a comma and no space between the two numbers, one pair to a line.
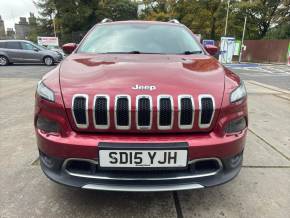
[146,117]
[165,109]
[80,110]
[186,111]
[123,112]
[206,105]
[101,111]
[143,112]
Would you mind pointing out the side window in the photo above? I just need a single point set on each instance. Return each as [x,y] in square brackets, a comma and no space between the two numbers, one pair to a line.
[2,45]
[13,45]
[27,46]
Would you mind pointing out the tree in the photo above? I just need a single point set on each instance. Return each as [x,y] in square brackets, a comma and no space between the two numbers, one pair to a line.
[281,31]
[73,18]
[270,12]
[117,10]
[207,17]
[161,10]
[262,15]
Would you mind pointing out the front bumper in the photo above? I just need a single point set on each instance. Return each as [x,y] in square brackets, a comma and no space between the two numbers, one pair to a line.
[146,181]
[56,152]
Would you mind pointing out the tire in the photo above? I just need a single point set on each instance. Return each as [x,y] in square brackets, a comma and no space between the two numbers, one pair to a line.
[48,61]
[3,61]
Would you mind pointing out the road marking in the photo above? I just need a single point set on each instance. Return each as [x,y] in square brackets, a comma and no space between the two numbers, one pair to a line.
[274,88]
[269,69]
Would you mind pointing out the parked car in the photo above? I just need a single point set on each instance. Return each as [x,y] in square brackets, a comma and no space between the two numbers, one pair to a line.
[56,48]
[23,51]
[140,106]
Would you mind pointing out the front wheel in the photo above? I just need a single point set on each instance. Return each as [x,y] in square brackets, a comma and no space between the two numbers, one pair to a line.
[3,61]
[48,61]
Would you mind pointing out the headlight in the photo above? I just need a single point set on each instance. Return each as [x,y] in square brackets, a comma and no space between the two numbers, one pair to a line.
[239,93]
[44,92]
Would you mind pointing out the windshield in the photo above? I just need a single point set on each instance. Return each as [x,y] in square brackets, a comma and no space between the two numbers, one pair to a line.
[140,38]
[39,46]
[52,47]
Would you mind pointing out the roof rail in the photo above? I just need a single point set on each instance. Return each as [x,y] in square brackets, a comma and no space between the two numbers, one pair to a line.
[106,20]
[173,21]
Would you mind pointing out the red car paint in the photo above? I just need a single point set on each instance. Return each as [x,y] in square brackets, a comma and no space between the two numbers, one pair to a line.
[91,81]
[115,74]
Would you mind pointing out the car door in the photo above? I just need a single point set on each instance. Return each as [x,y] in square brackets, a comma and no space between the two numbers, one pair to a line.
[30,52]
[14,51]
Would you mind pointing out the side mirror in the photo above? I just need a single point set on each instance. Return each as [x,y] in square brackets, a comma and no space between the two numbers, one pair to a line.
[211,49]
[69,47]
[36,49]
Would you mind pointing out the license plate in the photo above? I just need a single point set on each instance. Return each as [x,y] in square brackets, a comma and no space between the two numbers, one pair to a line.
[143,158]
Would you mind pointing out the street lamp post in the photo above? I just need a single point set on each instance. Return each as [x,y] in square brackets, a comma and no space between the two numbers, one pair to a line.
[53,23]
[242,43]
[243,37]
[54,29]
[227,17]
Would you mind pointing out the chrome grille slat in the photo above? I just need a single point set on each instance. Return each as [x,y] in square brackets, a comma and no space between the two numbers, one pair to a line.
[123,112]
[101,112]
[206,110]
[185,111]
[144,112]
[80,110]
[165,112]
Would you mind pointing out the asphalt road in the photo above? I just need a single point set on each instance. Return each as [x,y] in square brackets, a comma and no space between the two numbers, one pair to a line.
[260,190]
[274,75]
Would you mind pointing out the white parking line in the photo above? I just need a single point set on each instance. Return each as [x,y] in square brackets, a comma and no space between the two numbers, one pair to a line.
[278,70]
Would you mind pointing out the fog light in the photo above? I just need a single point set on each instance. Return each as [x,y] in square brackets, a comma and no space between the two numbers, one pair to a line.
[47,161]
[236,160]
[47,125]
[236,125]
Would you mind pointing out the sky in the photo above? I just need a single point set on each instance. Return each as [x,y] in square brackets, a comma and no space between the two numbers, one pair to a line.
[11,10]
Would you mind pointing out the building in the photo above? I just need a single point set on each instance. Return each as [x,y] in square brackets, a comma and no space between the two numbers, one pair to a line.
[22,29]
[32,19]
[2,29]
[10,33]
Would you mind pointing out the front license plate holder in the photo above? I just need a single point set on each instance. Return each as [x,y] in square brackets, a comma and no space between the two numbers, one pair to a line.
[143,156]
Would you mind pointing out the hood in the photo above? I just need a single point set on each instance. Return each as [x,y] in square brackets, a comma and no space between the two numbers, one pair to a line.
[116,74]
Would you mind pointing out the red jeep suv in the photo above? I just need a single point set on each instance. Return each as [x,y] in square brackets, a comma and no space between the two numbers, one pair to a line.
[140,106]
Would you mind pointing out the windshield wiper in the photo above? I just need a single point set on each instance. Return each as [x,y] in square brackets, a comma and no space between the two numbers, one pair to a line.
[133,52]
[192,52]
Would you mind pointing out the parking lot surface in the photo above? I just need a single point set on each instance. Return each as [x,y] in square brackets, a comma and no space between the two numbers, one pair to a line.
[261,189]
[277,75]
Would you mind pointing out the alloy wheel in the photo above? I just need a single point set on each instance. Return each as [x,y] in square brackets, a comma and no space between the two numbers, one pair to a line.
[48,61]
[3,61]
